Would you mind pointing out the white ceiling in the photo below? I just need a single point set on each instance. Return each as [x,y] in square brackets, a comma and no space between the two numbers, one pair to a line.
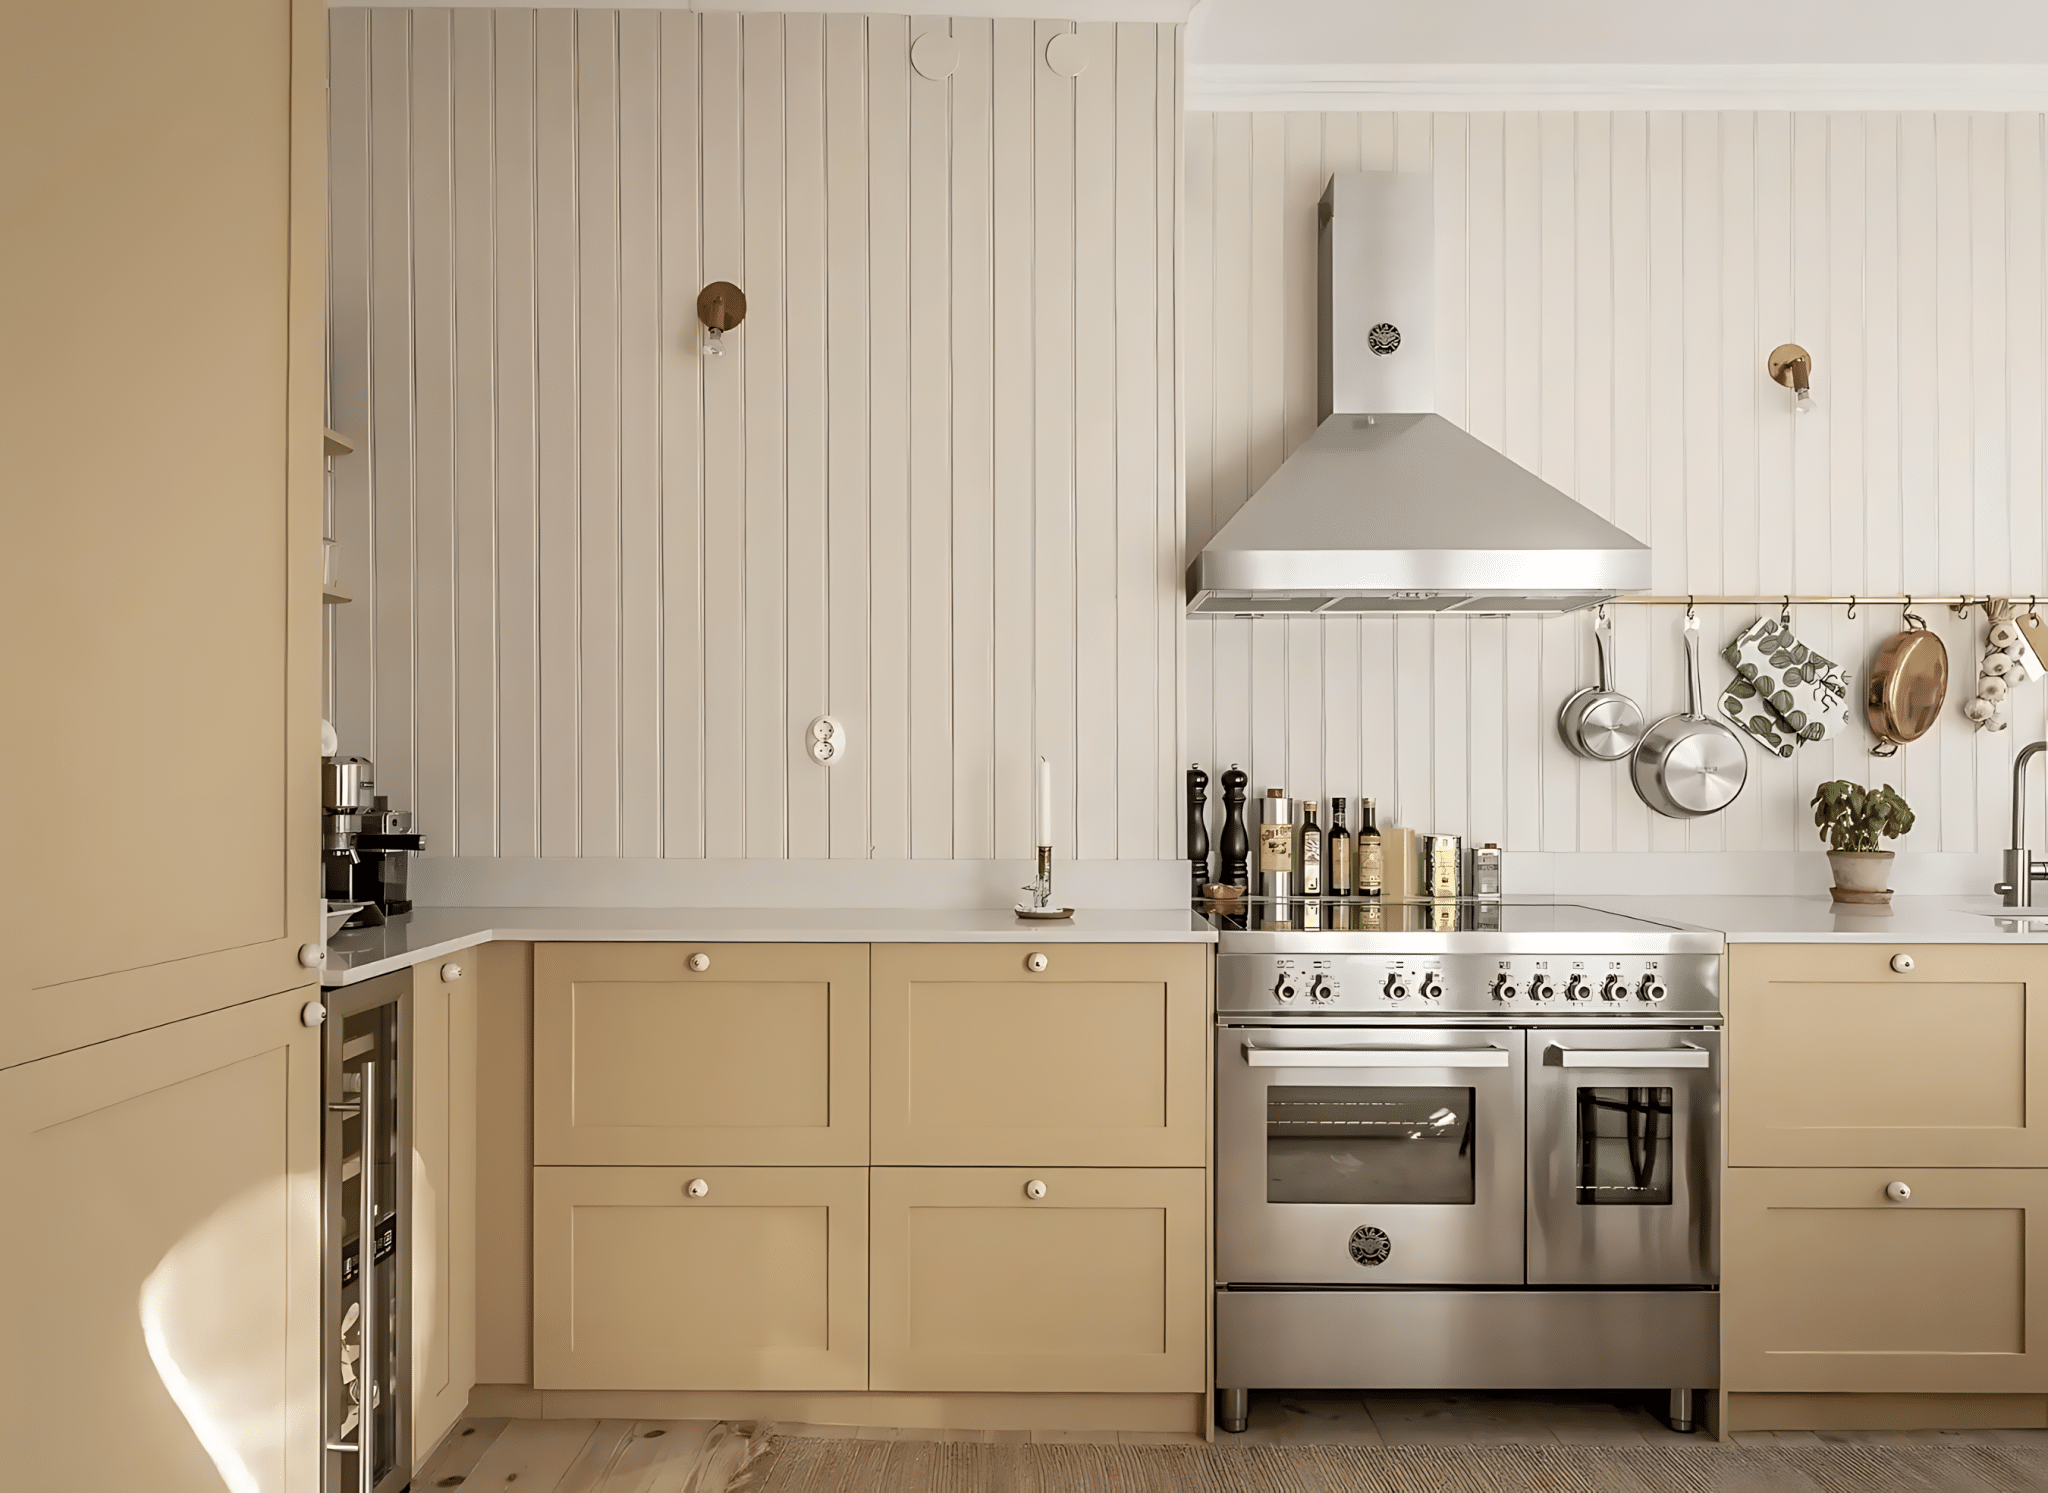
[1322,32]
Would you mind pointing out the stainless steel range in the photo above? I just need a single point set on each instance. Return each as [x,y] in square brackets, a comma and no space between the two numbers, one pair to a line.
[1465,1146]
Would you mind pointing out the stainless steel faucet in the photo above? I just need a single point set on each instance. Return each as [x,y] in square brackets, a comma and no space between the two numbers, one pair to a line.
[2021,869]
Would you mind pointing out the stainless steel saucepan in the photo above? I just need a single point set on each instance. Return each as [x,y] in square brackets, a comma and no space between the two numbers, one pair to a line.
[1600,722]
[1689,765]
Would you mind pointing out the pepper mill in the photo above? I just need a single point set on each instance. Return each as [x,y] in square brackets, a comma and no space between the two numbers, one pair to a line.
[1236,845]
[1198,828]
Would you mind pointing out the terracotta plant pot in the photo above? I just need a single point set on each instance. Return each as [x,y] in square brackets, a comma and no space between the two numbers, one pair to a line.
[1862,875]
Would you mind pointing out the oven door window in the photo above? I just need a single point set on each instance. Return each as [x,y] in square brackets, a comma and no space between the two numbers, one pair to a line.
[1368,1145]
[1624,1148]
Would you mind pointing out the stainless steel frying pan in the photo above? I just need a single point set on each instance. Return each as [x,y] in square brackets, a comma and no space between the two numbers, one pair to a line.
[1689,765]
[1600,722]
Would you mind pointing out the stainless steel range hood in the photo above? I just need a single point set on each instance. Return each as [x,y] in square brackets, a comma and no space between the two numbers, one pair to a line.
[1389,507]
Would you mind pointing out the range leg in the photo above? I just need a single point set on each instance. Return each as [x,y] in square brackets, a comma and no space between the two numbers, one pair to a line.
[1233,1408]
[1681,1410]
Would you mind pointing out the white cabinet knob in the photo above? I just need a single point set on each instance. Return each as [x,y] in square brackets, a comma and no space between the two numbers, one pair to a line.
[698,1187]
[1036,963]
[312,955]
[700,962]
[1898,1192]
[1902,964]
[450,973]
[312,1013]
[1034,1189]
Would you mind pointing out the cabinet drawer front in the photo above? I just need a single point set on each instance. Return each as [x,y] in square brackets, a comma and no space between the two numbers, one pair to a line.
[1835,1059]
[761,1283]
[1098,1060]
[1097,1286]
[759,1059]
[1827,1285]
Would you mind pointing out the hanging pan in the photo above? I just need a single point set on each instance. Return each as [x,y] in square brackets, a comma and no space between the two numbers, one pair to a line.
[1908,682]
[1689,765]
[1600,722]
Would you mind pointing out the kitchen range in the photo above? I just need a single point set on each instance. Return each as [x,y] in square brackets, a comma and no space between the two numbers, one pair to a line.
[1465,1145]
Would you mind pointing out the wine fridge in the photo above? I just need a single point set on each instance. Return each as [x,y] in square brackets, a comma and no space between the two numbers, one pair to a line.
[366,1269]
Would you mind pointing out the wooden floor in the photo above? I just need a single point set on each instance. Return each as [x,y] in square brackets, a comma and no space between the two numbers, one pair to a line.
[676,1456]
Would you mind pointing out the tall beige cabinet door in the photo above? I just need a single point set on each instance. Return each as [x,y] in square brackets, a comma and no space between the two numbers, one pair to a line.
[162,305]
[1071,1055]
[720,1054]
[159,1272]
[1887,1055]
[1076,1280]
[444,1032]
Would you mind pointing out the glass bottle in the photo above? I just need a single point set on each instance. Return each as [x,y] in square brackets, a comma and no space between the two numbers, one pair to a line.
[1338,851]
[1372,853]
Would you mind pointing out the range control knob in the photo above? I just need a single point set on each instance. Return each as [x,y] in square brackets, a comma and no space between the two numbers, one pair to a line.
[1397,988]
[1615,988]
[1431,988]
[1578,989]
[1504,988]
[1283,989]
[1652,989]
[1540,989]
[1321,990]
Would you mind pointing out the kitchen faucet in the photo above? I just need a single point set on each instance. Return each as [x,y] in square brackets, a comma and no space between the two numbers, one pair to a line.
[2021,869]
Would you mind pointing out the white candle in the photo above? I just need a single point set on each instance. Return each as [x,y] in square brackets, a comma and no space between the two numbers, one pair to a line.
[1044,802]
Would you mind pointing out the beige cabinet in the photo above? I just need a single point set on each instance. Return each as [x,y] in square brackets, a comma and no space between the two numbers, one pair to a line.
[1099,1058]
[443,1221]
[709,1277]
[162,288]
[720,1054]
[1007,1278]
[1835,1058]
[1829,1284]
[159,1274]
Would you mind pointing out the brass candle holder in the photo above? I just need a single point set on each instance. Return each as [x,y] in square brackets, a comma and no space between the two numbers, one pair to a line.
[1040,886]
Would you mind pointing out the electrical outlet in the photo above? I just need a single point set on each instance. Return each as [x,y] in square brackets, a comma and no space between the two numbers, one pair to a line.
[827,740]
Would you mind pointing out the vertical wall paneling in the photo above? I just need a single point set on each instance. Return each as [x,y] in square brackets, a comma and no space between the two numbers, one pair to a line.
[1608,287]
[604,582]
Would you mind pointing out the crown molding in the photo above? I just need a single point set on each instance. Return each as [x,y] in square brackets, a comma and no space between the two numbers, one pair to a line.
[1468,87]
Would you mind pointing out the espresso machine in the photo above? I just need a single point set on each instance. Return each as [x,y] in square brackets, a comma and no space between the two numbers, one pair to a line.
[366,846]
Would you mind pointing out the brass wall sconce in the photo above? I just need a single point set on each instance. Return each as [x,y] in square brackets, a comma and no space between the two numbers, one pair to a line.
[721,306]
[1792,366]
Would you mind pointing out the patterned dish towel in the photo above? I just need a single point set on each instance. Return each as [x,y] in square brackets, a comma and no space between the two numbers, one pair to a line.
[1783,693]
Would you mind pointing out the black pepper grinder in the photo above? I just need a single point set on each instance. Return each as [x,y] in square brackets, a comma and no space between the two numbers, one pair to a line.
[1198,828]
[1236,845]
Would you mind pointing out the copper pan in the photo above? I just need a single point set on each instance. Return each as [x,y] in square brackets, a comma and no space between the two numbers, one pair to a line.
[1908,682]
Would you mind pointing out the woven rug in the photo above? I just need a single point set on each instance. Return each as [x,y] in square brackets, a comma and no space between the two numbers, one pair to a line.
[814,1465]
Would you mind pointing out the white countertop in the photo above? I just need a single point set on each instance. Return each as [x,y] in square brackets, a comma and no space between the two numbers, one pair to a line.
[435,932]
[1820,919]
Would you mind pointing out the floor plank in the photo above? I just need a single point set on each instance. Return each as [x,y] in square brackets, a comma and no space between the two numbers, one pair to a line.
[710,1465]
[1459,1420]
[655,1444]
[591,1471]
[466,1442]
[1304,1420]
[532,1453]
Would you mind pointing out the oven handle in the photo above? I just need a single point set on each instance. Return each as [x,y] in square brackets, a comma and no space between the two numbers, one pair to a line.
[1375,1057]
[1685,1055]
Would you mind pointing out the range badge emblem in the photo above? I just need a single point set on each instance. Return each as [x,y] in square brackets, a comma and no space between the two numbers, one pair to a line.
[1370,1246]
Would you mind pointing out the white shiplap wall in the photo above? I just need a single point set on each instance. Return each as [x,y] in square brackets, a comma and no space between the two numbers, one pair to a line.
[602,584]
[1609,286]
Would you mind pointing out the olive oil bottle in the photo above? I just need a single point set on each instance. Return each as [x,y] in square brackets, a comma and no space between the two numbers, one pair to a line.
[1338,851]
[1372,851]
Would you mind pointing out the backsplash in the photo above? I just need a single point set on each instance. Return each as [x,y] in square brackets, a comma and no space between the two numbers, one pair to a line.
[1609,286]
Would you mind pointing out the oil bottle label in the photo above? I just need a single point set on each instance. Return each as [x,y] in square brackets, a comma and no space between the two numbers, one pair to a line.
[1276,847]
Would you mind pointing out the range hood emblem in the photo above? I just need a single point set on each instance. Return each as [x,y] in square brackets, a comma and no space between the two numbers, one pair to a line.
[1388,507]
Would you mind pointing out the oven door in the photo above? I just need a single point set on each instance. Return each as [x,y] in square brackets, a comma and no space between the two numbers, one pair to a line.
[1624,1150]
[1369,1156]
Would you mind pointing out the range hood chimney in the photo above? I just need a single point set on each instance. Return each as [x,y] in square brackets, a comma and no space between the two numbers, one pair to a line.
[1389,507]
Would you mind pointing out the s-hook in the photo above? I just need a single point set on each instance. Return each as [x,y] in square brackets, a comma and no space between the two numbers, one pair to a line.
[1785,614]
[1688,604]
[1918,623]
[1852,608]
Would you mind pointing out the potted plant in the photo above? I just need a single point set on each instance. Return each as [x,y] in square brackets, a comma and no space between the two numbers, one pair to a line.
[1852,818]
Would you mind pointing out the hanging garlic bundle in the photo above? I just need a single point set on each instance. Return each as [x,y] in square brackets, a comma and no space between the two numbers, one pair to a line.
[2009,661]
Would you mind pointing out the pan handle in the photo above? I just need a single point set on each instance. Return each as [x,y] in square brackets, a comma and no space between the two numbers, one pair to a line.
[1603,644]
[1692,666]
